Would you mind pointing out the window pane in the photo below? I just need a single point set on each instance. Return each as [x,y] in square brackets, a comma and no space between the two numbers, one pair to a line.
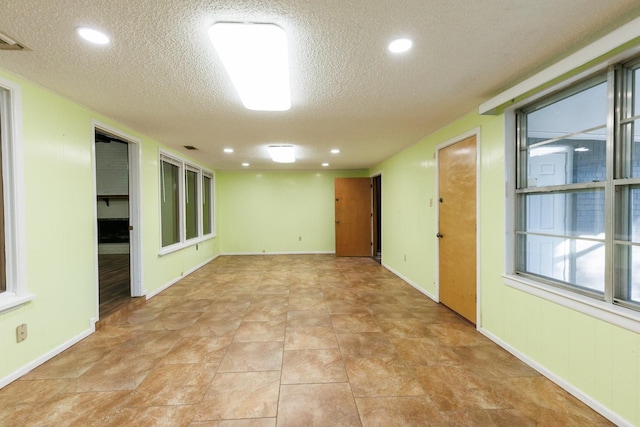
[576,213]
[628,216]
[627,273]
[579,112]
[635,149]
[206,205]
[636,92]
[169,206]
[575,262]
[191,203]
[568,161]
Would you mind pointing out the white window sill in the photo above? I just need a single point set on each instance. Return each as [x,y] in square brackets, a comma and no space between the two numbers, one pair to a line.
[183,245]
[616,315]
[10,301]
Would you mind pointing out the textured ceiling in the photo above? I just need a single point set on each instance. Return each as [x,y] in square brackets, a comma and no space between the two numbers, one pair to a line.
[162,77]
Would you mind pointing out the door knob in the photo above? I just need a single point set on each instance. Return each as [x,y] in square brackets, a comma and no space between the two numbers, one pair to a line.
[337,222]
[439,235]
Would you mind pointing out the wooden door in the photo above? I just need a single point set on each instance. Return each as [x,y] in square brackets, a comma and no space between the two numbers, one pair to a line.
[457,227]
[353,216]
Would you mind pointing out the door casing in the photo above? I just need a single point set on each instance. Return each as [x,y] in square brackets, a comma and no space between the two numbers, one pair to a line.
[135,243]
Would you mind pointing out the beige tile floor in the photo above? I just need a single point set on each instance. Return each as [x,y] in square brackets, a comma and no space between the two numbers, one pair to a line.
[309,340]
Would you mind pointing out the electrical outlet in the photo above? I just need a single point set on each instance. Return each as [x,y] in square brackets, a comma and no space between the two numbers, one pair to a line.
[299,238]
[21,332]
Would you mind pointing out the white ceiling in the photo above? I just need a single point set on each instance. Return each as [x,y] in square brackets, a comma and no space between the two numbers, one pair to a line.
[162,77]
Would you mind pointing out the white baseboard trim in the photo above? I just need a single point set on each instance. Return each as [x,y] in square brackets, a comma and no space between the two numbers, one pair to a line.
[570,388]
[279,253]
[45,357]
[415,285]
[177,279]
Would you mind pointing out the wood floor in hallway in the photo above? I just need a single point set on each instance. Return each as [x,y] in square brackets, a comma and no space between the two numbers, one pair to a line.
[304,340]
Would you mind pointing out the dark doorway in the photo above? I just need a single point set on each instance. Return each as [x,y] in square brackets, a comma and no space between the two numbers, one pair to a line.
[376,218]
[113,209]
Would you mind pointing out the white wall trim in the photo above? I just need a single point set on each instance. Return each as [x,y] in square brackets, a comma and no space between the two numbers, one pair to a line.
[611,41]
[45,357]
[16,293]
[577,393]
[177,279]
[411,283]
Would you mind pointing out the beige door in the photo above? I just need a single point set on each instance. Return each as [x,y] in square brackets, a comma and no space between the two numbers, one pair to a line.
[353,216]
[457,227]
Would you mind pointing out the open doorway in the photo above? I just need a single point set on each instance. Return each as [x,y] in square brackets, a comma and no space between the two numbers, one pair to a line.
[115,209]
[376,218]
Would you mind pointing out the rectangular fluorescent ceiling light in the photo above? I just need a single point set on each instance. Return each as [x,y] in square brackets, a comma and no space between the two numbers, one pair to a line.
[282,153]
[256,58]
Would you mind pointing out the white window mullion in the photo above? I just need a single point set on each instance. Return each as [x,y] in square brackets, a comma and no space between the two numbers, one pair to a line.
[613,97]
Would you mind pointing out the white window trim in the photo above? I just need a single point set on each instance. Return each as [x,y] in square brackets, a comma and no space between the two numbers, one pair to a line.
[16,293]
[608,312]
[185,165]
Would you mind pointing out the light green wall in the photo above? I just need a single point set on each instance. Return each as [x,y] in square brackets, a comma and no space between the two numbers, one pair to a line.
[60,223]
[269,211]
[599,359]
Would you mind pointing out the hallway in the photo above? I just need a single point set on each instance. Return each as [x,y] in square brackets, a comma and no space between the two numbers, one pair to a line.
[291,340]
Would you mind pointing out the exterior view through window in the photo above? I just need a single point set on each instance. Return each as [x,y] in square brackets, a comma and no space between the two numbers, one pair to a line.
[578,188]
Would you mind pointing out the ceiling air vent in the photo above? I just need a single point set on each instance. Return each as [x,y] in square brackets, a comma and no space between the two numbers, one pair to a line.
[189,147]
[7,43]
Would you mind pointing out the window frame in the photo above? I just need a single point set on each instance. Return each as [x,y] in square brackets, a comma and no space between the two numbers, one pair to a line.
[212,190]
[606,307]
[185,166]
[523,189]
[13,203]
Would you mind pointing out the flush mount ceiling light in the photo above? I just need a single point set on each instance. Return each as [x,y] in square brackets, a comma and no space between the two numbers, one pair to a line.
[228,150]
[400,45]
[282,153]
[324,165]
[335,151]
[256,59]
[245,164]
[93,36]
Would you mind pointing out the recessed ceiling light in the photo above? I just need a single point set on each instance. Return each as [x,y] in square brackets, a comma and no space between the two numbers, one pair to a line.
[282,153]
[245,164]
[400,45]
[256,59]
[93,36]
[228,150]
[335,151]
[325,165]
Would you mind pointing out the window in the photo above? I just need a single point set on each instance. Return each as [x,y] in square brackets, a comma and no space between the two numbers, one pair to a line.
[13,287]
[577,197]
[191,201]
[186,200]
[207,205]
[169,200]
